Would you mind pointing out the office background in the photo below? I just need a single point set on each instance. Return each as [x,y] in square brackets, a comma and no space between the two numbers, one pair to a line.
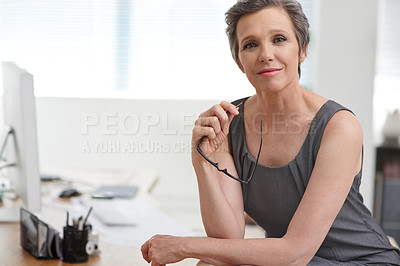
[120,83]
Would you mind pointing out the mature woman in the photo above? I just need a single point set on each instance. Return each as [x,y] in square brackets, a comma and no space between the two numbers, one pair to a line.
[293,161]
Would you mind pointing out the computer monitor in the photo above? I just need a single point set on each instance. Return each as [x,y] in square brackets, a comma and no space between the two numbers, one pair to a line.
[19,153]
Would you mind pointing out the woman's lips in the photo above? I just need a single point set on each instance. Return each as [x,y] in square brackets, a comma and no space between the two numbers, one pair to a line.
[269,72]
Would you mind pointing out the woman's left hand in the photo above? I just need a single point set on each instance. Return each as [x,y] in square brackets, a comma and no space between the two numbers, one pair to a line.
[163,249]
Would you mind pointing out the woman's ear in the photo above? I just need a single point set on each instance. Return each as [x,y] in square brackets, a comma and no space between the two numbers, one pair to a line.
[303,54]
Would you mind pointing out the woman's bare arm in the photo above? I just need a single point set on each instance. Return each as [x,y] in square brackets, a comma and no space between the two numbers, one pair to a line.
[221,200]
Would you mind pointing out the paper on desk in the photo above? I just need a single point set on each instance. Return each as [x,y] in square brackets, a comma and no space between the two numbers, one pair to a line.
[150,221]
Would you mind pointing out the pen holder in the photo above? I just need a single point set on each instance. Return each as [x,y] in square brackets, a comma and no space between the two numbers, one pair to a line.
[74,244]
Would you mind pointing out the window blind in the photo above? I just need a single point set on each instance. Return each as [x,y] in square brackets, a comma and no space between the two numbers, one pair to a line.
[388,43]
[171,49]
[387,77]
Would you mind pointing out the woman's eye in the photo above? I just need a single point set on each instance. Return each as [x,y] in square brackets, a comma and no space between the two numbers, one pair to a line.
[249,45]
[279,39]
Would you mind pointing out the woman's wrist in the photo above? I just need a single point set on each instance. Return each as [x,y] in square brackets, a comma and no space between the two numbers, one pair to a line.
[199,248]
[199,163]
[187,248]
[202,168]
[192,247]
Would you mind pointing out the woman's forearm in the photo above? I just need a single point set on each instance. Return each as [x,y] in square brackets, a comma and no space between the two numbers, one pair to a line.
[219,218]
[163,249]
[266,251]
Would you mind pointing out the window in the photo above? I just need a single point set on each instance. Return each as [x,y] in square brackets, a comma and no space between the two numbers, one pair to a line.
[68,45]
[169,49]
[387,77]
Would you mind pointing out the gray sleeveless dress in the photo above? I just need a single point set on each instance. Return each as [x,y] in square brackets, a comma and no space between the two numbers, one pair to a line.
[272,196]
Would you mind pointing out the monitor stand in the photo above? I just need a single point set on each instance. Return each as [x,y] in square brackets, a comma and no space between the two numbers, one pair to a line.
[9,209]
[9,214]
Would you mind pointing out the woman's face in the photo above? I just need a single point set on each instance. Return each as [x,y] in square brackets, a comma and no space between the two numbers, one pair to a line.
[268,49]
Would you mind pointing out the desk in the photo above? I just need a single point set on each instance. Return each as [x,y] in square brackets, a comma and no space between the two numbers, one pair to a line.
[12,254]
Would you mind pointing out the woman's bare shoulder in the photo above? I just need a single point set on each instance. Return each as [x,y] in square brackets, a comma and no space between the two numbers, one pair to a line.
[346,124]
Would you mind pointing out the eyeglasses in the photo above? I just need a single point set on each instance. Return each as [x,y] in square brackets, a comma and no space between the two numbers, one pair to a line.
[225,171]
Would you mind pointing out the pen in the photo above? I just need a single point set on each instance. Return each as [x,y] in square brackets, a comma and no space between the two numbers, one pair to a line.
[90,210]
[67,219]
[80,223]
[75,223]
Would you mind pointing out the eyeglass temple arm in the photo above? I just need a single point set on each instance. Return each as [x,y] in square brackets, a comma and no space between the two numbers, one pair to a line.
[225,171]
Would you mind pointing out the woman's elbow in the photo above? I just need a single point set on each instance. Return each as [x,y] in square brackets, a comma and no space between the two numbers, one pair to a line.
[298,253]
[297,258]
[225,234]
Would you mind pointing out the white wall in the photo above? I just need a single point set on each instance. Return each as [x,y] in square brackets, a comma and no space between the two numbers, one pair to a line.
[345,66]
[128,134]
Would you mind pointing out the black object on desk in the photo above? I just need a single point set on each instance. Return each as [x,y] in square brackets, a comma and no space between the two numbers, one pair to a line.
[38,238]
[76,240]
[44,242]
[74,244]
[69,192]
[48,178]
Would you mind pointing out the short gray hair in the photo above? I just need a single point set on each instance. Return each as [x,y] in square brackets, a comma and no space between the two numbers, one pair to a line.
[243,7]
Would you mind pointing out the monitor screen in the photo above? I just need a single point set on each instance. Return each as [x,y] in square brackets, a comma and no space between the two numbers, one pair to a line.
[20,153]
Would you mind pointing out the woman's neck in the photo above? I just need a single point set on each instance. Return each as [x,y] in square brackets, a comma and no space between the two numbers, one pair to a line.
[287,101]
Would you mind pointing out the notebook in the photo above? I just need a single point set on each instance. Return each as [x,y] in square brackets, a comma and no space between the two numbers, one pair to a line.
[109,192]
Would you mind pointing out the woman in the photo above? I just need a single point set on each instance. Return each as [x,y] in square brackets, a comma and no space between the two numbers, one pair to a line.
[298,158]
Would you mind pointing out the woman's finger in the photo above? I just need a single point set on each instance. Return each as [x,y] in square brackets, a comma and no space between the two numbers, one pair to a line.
[199,132]
[225,112]
[212,121]
[145,250]
[230,110]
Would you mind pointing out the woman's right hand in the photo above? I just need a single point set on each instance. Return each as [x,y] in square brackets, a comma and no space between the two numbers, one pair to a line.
[213,125]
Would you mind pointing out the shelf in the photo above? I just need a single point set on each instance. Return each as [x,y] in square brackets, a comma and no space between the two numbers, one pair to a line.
[387,190]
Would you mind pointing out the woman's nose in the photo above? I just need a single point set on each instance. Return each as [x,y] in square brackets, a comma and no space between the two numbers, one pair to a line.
[266,54]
